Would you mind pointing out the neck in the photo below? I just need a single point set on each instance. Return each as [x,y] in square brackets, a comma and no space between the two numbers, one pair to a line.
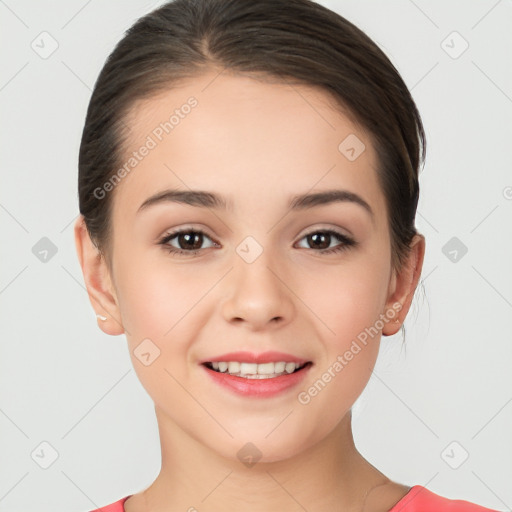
[331,475]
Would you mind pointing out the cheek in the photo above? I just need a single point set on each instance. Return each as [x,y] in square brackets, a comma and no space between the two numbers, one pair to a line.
[350,348]
[156,299]
[346,298]
[349,301]
[157,308]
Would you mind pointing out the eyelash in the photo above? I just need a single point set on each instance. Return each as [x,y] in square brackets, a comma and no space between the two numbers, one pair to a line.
[346,241]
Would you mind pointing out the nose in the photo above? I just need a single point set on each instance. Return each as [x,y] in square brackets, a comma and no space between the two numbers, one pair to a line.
[258,294]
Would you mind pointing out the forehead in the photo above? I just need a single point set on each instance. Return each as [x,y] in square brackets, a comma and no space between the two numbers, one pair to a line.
[249,139]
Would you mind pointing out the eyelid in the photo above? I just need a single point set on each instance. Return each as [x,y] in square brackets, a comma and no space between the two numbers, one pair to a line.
[336,229]
[186,228]
[169,235]
[329,227]
[346,242]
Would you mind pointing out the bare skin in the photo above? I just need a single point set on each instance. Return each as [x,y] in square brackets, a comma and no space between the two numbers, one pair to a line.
[257,144]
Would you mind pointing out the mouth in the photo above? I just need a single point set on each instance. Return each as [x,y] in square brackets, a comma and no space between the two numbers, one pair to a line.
[257,375]
[270,370]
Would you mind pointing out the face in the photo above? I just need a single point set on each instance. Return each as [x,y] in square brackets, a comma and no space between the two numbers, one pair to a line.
[264,273]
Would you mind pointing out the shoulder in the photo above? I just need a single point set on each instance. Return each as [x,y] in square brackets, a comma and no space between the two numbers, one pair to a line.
[118,506]
[420,499]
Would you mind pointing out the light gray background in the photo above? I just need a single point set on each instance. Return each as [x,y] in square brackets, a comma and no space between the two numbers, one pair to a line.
[66,383]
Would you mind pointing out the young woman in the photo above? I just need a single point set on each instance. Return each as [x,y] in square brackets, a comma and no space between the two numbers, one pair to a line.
[248,182]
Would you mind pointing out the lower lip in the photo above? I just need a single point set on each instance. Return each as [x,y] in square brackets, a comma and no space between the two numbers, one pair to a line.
[258,387]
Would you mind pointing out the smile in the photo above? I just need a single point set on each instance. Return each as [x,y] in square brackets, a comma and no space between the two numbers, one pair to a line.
[255,371]
[257,380]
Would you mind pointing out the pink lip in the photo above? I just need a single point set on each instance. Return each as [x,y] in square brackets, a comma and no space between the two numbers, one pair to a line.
[250,357]
[261,388]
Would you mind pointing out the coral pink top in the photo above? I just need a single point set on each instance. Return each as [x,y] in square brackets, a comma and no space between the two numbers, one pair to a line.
[418,499]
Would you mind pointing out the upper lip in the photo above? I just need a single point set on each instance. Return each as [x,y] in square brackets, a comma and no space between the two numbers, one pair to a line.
[251,357]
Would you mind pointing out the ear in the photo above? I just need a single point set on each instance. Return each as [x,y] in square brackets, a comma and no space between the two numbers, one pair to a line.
[403,285]
[97,281]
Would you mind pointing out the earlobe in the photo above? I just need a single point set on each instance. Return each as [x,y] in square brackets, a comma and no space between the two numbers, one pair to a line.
[403,285]
[97,281]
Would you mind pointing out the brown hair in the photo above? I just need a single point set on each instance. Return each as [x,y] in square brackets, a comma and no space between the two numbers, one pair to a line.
[295,41]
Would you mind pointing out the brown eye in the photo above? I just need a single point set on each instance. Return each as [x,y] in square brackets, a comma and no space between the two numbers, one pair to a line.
[188,241]
[321,240]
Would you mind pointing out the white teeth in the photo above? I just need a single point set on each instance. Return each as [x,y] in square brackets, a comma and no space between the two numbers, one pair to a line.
[279,367]
[248,368]
[255,371]
[233,367]
[290,367]
[266,368]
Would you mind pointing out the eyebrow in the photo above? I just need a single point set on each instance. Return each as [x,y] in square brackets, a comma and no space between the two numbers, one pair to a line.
[204,199]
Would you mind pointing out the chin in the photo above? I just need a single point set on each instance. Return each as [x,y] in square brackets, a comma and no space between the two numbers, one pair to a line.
[255,449]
